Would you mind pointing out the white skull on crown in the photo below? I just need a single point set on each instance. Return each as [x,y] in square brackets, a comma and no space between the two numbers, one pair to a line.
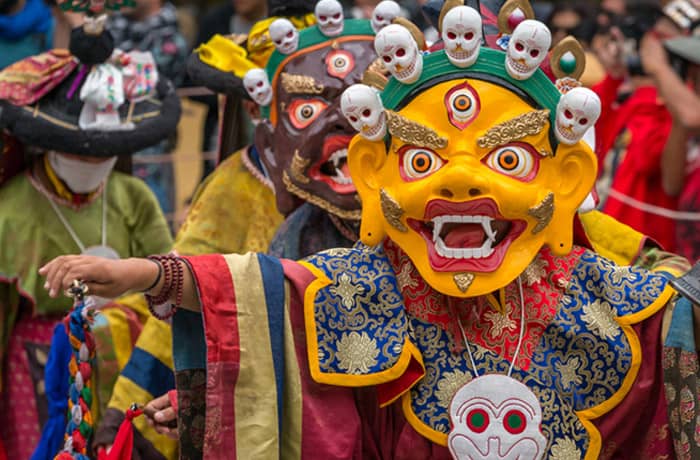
[329,16]
[399,51]
[461,33]
[258,86]
[577,111]
[284,35]
[384,13]
[496,417]
[363,108]
[527,48]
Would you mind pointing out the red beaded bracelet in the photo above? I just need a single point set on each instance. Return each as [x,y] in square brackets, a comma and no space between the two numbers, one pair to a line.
[173,278]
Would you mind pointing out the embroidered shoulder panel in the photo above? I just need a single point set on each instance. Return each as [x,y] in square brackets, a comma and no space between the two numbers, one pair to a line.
[585,354]
[358,316]
[626,289]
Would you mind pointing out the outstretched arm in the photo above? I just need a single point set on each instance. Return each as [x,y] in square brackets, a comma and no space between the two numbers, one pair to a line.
[112,278]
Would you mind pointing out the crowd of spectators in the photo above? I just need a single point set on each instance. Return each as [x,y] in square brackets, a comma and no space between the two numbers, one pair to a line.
[643,59]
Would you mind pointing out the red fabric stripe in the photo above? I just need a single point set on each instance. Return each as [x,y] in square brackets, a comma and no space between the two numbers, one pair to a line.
[323,406]
[220,314]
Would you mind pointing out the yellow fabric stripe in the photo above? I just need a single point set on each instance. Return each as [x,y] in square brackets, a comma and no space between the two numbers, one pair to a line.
[292,410]
[255,395]
[126,392]
[121,335]
[156,338]
[137,303]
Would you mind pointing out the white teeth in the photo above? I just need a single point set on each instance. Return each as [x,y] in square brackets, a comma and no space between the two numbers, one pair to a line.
[443,250]
[336,158]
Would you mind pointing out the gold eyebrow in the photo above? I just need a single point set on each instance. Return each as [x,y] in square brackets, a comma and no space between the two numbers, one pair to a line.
[527,124]
[300,84]
[413,132]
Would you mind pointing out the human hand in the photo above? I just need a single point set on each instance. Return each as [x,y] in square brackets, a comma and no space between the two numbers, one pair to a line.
[162,415]
[103,277]
[652,54]
[610,51]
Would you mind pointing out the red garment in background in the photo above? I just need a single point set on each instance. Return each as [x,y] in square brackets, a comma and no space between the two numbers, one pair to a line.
[639,175]
[688,231]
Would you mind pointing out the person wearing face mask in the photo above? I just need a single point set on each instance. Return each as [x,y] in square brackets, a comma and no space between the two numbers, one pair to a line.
[69,199]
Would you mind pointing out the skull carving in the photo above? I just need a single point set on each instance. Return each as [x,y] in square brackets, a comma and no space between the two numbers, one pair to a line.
[383,14]
[399,51]
[461,33]
[527,48]
[329,16]
[284,35]
[258,86]
[363,108]
[577,111]
[496,417]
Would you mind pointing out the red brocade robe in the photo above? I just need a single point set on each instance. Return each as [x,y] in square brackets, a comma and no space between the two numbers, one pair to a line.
[349,354]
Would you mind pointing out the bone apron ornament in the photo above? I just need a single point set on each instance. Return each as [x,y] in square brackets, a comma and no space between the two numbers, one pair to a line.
[495,416]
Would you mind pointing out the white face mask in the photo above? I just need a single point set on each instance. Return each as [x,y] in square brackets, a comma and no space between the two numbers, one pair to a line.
[80,176]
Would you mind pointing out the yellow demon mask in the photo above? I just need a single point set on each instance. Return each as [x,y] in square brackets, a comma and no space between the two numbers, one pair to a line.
[471,171]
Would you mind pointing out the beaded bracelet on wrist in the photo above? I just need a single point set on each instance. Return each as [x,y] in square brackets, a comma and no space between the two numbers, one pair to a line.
[173,278]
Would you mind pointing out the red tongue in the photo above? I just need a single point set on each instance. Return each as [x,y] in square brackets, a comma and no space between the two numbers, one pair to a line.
[464,236]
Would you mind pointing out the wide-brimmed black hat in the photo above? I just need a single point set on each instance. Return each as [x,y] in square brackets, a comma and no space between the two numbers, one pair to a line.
[51,121]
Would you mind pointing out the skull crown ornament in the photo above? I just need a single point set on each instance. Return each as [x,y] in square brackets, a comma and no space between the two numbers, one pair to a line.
[284,35]
[527,49]
[462,34]
[399,51]
[363,108]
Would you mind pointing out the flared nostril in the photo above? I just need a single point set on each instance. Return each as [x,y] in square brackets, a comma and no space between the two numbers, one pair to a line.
[445,193]
[474,191]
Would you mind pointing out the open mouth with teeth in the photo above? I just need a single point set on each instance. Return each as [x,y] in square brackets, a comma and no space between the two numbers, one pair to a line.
[461,54]
[332,168]
[567,132]
[519,67]
[370,131]
[333,28]
[406,72]
[467,236]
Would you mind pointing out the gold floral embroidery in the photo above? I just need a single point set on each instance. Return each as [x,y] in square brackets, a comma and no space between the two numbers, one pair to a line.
[357,352]
[565,449]
[499,323]
[620,274]
[405,277]
[449,384]
[670,391]
[346,290]
[600,318]
[569,371]
[535,271]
